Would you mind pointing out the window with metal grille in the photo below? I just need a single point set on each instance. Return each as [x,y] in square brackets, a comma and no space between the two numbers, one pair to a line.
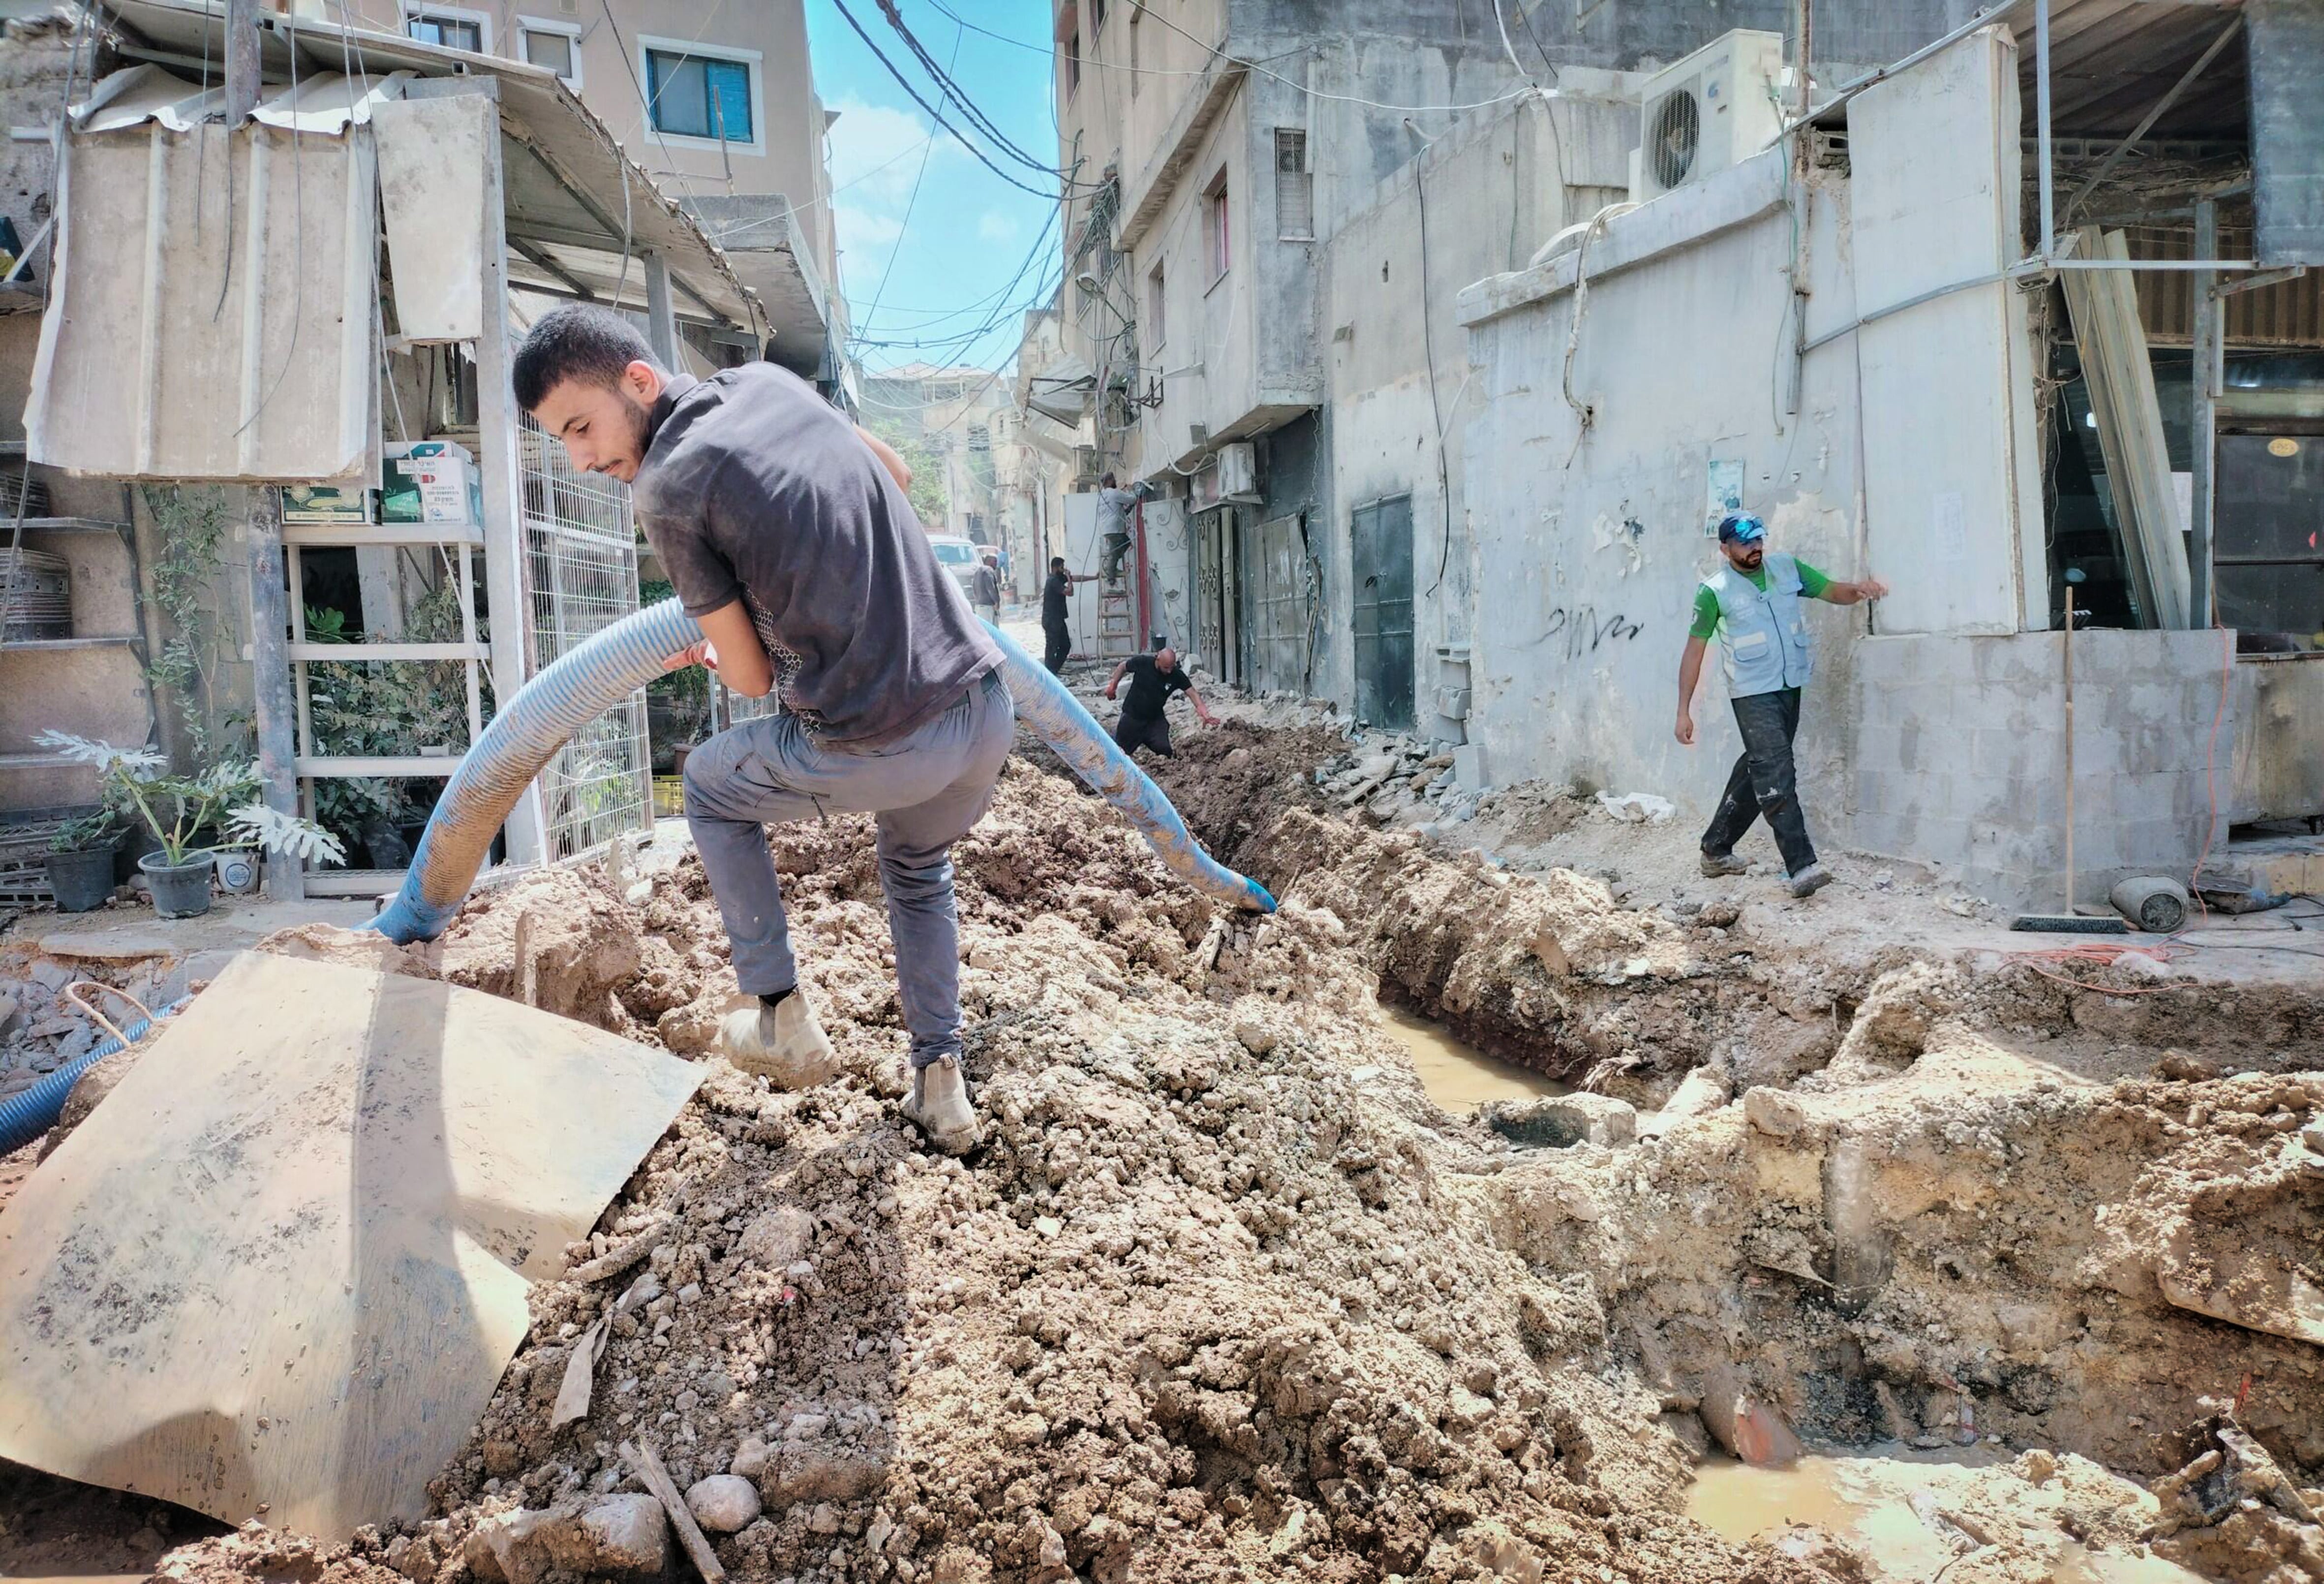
[699,96]
[1072,54]
[1295,188]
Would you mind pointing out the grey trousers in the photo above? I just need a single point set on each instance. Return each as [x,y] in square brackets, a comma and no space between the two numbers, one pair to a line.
[929,789]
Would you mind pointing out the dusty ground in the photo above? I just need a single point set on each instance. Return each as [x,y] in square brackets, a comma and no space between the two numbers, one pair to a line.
[1224,1295]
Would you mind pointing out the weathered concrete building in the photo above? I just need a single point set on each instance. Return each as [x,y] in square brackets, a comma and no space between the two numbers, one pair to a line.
[1867,340]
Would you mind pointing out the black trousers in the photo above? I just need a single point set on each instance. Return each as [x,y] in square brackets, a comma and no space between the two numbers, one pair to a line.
[1129,735]
[1764,780]
[1060,645]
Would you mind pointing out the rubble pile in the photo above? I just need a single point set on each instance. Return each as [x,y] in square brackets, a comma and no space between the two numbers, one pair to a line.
[1394,778]
[1225,1295]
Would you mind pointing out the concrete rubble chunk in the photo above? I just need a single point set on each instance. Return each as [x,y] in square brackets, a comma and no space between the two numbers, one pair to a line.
[750,1459]
[723,1503]
[625,1536]
[1774,1113]
[1556,1122]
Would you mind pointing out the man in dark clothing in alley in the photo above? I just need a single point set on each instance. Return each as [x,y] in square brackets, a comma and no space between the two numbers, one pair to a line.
[1152,677]
[1753,605]
[1059,640]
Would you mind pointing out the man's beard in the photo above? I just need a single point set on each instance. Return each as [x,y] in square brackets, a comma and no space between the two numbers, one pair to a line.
[641,421]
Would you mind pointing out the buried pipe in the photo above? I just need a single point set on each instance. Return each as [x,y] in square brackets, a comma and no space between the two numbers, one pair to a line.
[614,663]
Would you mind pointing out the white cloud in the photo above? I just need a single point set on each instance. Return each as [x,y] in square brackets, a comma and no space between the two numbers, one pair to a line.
[993,226]
[861,230]
[875,153]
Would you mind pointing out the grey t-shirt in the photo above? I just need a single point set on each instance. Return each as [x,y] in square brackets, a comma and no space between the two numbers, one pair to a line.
[755,487]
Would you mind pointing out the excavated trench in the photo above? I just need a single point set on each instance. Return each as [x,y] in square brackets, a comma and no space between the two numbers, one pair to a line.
[1226,1293]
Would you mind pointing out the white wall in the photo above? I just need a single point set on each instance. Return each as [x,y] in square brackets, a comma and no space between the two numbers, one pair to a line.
[1589,546]
[1952,472]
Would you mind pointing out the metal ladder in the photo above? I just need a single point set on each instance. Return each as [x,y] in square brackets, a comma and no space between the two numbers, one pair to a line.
[1117,622]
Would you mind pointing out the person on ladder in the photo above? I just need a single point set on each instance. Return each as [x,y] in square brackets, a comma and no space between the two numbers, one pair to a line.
[1114,505]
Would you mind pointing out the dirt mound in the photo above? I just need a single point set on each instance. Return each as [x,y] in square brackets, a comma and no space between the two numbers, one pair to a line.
[1225,1295]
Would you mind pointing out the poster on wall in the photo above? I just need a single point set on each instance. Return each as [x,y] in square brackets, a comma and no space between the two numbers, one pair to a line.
[1724,495]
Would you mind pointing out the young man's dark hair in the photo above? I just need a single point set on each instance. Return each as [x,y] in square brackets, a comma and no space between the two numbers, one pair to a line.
[1056,563]
[577,342]
[1106,481]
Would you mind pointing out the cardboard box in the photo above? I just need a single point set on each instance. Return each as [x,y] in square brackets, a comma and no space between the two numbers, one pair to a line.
[430,481]
[326,503]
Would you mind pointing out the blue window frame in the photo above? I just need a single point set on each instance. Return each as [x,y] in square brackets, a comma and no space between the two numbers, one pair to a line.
[699,96]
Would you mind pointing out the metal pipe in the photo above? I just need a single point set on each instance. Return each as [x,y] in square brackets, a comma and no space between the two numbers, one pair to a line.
[1880,74]
[2067,645]
[241,61]
[2042,122]
[2203,420]
[2146,123]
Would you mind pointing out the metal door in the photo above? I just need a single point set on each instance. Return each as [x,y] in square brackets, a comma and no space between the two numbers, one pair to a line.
[1209,591]
[1382,554]
[1279,606]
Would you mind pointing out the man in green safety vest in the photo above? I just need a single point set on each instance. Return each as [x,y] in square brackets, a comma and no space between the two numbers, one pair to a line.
[1753,605]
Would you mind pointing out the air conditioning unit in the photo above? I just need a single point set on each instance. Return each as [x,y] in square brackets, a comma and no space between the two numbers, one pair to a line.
[1711,111]
[1237,471]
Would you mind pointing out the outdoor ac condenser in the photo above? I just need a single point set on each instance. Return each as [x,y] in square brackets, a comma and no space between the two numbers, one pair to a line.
[1718,106]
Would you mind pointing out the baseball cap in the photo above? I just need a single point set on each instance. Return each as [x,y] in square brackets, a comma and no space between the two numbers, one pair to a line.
[1741,527]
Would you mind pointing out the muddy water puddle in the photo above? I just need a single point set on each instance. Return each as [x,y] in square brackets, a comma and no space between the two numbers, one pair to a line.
[1868,1503]
[1461,1077]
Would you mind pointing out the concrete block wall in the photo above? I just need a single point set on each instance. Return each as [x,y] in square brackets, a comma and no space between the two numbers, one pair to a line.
[1960,758]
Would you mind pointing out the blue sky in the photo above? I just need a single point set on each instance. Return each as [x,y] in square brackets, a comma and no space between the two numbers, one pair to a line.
[930,240]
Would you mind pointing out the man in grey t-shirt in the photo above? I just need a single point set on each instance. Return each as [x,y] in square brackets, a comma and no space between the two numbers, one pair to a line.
[786,533]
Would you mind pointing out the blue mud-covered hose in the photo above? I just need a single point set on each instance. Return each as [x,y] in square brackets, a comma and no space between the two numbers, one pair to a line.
[611,664]
[24,1117]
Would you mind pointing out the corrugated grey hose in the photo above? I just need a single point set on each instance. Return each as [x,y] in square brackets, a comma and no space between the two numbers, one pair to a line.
[624,657]
[594,678]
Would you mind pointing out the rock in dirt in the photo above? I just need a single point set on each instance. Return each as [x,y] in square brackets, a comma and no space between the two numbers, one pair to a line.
[1555,1121]
[1773,1112]
[626,1534]
[723,1503]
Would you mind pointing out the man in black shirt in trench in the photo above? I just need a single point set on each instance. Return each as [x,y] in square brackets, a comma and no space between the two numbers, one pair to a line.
[1059,640]
[1153,678]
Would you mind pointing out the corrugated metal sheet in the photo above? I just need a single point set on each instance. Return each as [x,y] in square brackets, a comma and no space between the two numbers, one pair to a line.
[212,315]
[2289,313]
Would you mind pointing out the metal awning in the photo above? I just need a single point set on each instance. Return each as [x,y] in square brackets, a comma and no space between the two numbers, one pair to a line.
[2112,61]
[1061,392]
[581,213]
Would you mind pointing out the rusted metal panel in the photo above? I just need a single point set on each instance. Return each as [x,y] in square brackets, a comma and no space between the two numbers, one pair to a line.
[2289,313]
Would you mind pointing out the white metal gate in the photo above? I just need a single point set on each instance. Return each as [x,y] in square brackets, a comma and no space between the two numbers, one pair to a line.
[580,576]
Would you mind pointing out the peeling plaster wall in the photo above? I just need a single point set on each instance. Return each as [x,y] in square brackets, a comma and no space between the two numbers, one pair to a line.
[1589,546]
[1494,192]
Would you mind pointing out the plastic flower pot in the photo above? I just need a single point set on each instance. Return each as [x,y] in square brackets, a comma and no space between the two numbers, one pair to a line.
[238,870]
[81,881]
[181,891]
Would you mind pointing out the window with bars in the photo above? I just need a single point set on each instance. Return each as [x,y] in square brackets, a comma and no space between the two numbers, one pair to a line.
[693,95]
[1295,187]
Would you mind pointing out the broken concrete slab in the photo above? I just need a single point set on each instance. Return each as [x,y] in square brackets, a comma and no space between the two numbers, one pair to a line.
[310,1215]
[1556,1122]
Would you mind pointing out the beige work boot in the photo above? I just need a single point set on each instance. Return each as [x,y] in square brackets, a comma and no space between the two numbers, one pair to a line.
[783,1043]
[939,1106]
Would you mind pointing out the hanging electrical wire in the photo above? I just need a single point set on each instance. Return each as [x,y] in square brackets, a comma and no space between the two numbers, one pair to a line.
[932,113]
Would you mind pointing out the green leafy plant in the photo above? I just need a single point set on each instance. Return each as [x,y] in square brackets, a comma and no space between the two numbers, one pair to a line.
[87,833]
[190,524]
[384,710]
[931,497]
[179,809]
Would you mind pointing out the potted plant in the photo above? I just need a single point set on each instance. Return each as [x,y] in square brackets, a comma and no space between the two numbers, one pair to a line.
[80,861]
[178,811]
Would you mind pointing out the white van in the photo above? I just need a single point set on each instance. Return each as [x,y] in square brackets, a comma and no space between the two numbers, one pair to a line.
[959,557]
